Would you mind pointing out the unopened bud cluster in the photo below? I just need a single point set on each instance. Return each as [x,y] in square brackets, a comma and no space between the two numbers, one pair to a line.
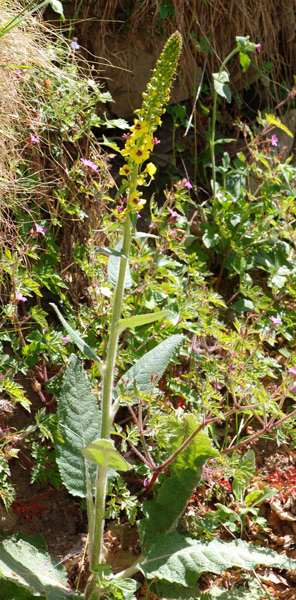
[140,141]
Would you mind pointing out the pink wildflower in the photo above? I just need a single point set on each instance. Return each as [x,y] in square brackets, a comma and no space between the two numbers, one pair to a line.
[274,140]
[66,339]
[19,296]
[187,183]
[174,213]
[275,321]
[33,139]
[258,47]
[88,163]
[40,229]
[156,141]
[292,371]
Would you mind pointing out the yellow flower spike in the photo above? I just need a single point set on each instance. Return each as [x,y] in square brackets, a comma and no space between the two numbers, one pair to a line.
[151,169]
[139,154]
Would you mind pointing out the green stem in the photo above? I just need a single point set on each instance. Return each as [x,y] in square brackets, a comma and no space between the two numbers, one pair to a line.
[107,395]
[214,116]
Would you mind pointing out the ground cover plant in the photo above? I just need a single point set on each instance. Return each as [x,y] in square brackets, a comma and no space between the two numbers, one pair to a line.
[200,356]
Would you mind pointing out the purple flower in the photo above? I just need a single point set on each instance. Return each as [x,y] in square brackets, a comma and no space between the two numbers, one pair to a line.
[276,320]
[145,482]
[274,140]
[18,72]
[258,47]
[292,370]
[88,163]
[156,141]
[34,139]
[74,45]
[40,229]
[19,296]
[187,183]
[66,339]
[174,213]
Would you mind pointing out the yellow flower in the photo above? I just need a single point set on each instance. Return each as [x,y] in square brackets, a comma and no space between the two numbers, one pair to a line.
[135,201]
[151,169]
[139,154]
[139,129]
[125,170]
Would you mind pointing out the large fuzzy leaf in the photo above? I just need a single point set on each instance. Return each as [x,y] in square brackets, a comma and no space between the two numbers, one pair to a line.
[181,560]
[27,572]
[163,514]
[146,371]
[79,419]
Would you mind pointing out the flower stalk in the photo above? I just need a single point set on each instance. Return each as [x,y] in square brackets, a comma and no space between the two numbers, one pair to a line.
[138,147]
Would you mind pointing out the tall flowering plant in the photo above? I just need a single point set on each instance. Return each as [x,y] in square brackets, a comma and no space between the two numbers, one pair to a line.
[138,147]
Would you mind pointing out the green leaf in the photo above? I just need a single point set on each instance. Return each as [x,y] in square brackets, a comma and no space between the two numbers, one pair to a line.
[243,305]
[242,41]
[103,453]
[119,123]
[57,6]
[32,570]
[109,252]
[80,343]
[220,85]
[147,371]
[181,560]
[244,60]
[139,320]
[113,268]
[273,120]
[196,453]
[79,419]
[109,143]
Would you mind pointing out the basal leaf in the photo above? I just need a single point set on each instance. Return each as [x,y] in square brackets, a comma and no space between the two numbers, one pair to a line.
[103,453]
[33,571]
[147,371]
[113,268]
[79,419]
[181,560]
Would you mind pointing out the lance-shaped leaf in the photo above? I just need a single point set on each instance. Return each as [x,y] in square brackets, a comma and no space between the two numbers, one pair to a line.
[103,453]
[181,560]
[147,371]
[79,420]
[80,343]
[139,320]
[27,572]
[113,268]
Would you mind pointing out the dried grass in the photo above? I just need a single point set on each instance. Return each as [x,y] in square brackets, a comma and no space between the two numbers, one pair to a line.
[270,22]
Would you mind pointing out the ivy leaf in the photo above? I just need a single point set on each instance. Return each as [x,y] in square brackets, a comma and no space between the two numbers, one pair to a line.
[220,85]
[79,419]
[147,371]
[103,453]
[181,560]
